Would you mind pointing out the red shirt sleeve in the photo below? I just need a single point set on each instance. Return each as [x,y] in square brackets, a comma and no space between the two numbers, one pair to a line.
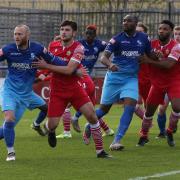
[78,54]
[175,52]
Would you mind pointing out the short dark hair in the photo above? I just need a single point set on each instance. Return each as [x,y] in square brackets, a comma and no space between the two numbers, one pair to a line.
[171,25]
[69,23]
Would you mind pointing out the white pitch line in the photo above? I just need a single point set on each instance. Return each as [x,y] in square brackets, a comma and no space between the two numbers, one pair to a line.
[156,175]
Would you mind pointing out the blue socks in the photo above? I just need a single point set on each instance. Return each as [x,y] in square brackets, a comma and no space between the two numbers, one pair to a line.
[78,114]
[125,121]
[41,117]
[100,113]
[9,133]
[161,119]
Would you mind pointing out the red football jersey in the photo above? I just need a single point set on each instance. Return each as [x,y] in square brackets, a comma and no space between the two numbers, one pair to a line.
[144,74]
[161,77]
[73,52]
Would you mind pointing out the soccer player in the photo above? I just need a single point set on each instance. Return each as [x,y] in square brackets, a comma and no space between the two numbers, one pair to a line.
[144,88]
[68,89]
[144,83]
[162,108]
[93,47]
[121,79]
[17,92]
[89,87]
[165,78]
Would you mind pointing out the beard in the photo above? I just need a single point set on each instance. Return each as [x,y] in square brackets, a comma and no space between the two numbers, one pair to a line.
[163,38]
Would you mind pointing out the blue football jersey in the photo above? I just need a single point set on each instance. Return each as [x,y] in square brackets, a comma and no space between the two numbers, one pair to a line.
[91,52]
[21,74]
[126,51]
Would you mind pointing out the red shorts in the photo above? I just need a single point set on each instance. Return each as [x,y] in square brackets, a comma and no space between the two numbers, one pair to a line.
[59,101]
[174,89]
[89,88]
[144,88]
[156,95]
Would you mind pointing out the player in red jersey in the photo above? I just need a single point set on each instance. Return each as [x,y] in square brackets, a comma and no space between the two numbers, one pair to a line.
[67,88]
[89,87]
[165,78]
[162,108]
[143,79]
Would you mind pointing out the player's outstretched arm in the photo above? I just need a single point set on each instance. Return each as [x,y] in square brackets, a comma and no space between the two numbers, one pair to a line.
[166,63]
[68,70]
[51,59]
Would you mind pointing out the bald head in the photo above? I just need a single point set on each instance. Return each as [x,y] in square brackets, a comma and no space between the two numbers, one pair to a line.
[21,36]
[24,27]
[129,24]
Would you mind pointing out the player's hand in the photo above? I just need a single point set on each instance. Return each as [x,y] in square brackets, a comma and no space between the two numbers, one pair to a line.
[83,71]
[144,59]
[158,54]
[42,77]
[113,67]
[40,63]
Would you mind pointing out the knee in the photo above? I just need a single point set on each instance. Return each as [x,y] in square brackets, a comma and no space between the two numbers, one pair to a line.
[9,116]
[91,117]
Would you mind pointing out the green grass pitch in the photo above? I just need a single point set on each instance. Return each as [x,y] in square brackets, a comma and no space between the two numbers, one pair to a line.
[72,160]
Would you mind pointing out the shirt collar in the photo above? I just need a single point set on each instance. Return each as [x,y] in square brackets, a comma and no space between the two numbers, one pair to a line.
[130,36]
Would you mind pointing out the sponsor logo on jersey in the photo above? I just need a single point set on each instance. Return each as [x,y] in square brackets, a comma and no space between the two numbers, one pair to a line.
[33,56]
[96,49]
[139,43]
[130,53]
[21,66]
[15,54]
[125,42]
[68,53]
[90,58]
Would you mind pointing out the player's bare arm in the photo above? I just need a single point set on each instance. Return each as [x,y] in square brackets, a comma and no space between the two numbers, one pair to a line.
[166,63]
[105,59]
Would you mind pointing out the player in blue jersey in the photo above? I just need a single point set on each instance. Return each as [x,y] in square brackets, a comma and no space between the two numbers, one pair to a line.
[17,92]
[92,48]
[121,78]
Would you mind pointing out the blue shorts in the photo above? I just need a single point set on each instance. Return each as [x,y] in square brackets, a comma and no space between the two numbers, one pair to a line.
[112,93]
[19,104]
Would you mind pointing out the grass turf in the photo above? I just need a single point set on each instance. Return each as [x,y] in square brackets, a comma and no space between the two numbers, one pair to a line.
[72,160]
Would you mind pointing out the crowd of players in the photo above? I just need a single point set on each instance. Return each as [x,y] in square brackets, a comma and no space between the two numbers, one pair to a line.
[139,70]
